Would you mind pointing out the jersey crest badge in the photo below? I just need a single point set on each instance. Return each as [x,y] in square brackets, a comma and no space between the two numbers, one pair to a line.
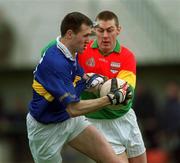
[90,62]
[115,67]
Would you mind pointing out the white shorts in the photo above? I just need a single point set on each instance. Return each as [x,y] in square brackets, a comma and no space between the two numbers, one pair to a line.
[46,141]
[122,133]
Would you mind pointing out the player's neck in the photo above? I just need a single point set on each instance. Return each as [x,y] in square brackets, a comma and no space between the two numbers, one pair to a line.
[105,52]
[65,42]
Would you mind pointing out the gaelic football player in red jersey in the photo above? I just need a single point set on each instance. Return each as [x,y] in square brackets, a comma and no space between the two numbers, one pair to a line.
[106,56]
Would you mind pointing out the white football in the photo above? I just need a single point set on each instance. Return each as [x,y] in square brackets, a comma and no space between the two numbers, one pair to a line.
[106,88]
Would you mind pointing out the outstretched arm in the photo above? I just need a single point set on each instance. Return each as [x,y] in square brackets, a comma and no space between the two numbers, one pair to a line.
[87,106]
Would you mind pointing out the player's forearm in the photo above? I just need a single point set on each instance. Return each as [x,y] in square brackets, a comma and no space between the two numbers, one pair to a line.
[87,106]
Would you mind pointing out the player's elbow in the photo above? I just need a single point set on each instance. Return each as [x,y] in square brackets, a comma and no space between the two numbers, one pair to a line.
[73,111]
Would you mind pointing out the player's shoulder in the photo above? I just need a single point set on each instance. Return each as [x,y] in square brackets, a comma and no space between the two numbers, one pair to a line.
[126,50]
[50,44]
[53,56]
[51,52]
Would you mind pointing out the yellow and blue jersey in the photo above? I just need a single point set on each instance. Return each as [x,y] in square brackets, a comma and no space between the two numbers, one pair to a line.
[57,82]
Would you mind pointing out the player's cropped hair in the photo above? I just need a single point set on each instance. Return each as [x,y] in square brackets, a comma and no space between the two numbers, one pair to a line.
[74,21]
[107,15]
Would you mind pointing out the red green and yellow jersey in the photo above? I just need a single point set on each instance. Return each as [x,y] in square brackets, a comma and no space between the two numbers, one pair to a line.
[120,63]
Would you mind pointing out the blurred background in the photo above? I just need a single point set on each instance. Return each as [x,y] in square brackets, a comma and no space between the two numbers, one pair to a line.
[150,28]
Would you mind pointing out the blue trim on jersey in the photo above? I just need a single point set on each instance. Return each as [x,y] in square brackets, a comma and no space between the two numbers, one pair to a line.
[56,74]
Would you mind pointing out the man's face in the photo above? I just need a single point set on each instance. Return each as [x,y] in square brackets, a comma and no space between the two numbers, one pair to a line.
[106,32]
[81,38]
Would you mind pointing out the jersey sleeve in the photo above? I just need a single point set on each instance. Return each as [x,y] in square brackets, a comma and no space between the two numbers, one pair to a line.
[128,71]
[53,81]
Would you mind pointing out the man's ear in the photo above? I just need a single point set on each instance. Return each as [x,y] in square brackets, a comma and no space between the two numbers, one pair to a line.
[69,34]
[118,30]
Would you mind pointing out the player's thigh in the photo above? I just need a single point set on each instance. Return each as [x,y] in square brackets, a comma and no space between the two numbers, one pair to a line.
[44,141]
[139,159]
[123,157]
[135,145]
[93,144]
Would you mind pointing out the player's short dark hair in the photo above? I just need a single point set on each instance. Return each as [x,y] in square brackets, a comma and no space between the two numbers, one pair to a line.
[107,15]
[73,21]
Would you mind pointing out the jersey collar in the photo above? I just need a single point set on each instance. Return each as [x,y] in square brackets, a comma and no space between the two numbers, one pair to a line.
[116,49]
[64,49]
